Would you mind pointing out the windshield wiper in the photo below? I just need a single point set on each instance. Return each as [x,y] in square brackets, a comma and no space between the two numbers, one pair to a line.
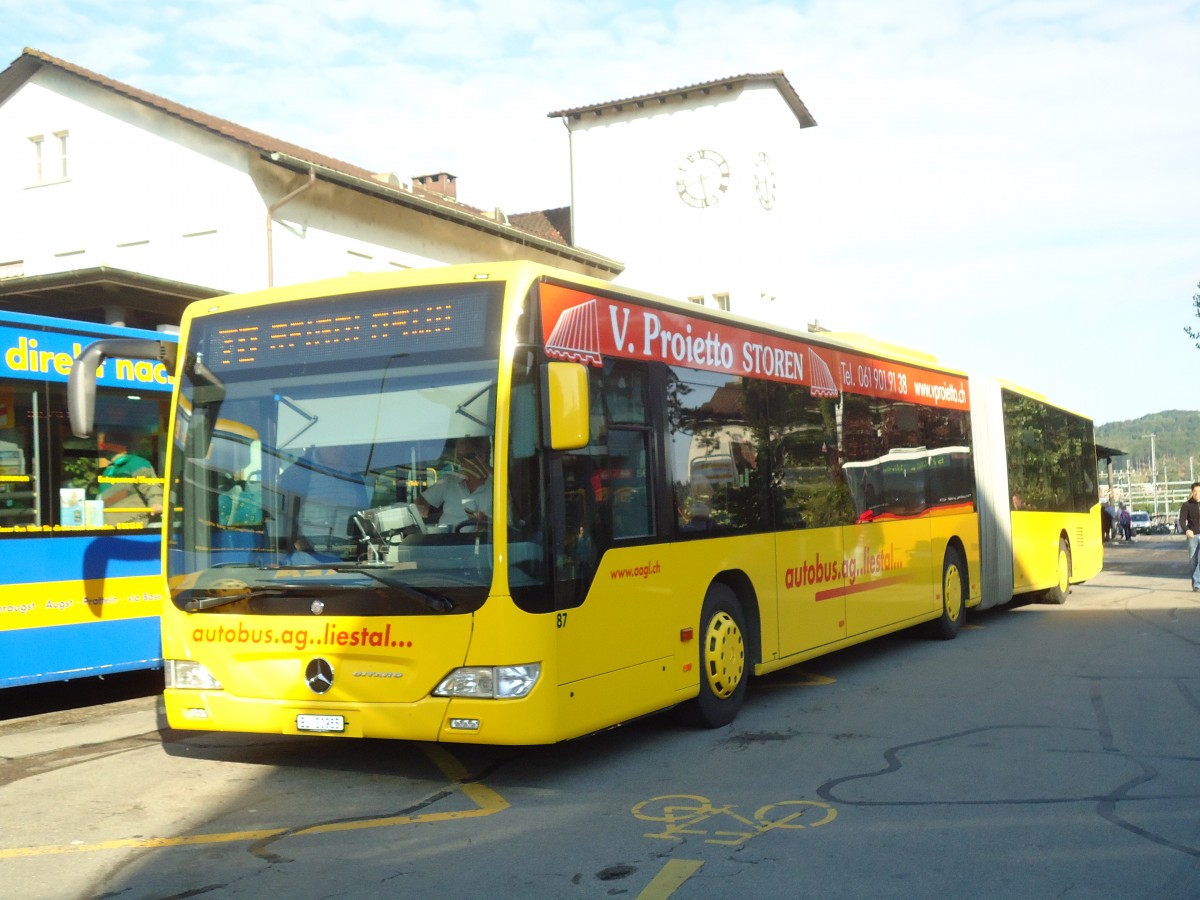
[431,599]
[211,601]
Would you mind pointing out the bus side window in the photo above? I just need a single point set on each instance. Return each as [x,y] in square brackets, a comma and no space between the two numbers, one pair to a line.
[629,491]
[809,484]
[18,490]
[720,452]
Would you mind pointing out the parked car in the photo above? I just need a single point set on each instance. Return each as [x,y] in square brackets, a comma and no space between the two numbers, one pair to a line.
[1139,522]
[1164,523]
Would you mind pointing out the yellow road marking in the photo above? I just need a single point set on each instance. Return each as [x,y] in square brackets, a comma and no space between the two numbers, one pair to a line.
[486,800]
[804,679]
[669,878]
[681,813]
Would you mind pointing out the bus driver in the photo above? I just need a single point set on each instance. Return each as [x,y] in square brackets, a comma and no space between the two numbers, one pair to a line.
[465,495]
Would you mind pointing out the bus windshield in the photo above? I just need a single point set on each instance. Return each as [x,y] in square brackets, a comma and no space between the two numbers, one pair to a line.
[336,456]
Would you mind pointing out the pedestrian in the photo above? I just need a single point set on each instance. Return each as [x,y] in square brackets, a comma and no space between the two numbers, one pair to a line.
[131,491]
[1189,520]
[1126,523]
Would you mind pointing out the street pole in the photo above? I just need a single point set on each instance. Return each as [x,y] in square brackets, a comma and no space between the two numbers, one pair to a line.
[1153,475]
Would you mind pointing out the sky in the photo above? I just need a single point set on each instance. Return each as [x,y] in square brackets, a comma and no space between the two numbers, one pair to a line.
[1011,185]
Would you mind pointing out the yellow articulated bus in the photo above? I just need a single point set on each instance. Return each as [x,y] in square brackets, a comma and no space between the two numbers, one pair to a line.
[1039,494]
[506,504]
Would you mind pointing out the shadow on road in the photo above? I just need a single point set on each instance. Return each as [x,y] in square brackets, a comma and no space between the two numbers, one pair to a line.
[1150,556]
[39,699]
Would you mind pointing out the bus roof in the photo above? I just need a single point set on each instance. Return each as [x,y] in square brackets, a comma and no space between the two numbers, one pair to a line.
[524,270]
[8,317]
[1035,395]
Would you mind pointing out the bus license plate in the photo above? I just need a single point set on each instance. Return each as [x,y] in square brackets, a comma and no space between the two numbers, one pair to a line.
[320,723]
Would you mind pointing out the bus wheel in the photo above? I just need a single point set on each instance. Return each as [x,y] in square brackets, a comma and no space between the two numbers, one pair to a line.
[1058,594]
[723,674]
[954,610]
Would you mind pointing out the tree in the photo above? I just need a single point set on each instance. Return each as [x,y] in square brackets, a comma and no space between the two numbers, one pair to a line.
[1193,333]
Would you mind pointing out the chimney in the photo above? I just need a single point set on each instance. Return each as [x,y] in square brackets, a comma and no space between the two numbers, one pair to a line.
[442,184]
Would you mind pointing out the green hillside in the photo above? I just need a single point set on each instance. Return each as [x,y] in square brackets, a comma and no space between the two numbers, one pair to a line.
[1176,442]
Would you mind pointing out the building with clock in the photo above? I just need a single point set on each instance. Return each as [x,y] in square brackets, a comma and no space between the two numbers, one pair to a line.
[697,190]
[131,205]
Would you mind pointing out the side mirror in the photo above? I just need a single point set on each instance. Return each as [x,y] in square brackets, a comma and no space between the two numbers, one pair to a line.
[567,407]
[81,383]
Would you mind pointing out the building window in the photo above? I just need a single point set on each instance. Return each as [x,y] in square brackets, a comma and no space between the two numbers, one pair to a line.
[62,153]
[37,140]
[699,301]
[49,157]
[722,301]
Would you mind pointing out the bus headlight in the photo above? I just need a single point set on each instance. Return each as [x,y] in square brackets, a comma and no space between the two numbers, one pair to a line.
[490,682]
[189,674]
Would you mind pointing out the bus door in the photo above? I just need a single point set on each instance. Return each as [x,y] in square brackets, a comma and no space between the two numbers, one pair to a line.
[811,590]
[888,548]
[610,585]
[810,506]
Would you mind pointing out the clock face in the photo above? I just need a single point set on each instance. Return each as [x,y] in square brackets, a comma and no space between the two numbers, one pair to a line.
[764,181]
[703,178]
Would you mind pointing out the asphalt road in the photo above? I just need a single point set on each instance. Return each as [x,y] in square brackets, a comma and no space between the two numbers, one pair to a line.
[1047,752]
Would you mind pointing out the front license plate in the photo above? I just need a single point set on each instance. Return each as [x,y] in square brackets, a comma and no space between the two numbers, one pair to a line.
[320,723]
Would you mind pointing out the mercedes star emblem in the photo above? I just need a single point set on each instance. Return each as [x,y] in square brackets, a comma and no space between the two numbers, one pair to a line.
[319,675]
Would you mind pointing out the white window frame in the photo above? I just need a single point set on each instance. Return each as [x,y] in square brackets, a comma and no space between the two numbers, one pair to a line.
[62,152]
[43,162]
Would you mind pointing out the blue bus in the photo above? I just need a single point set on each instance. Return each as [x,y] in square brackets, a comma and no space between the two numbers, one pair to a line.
[80,519]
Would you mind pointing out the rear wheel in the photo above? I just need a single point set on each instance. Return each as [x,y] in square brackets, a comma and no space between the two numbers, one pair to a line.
[954,594]
[1058,594]
[723,674]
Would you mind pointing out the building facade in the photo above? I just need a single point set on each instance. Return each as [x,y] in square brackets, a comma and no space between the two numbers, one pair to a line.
[121,206]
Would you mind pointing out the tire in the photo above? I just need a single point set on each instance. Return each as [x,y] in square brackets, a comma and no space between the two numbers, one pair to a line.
[723,663]
[1058,594]
[954,598]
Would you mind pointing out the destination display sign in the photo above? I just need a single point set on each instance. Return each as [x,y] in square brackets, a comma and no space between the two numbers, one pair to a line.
[325,329]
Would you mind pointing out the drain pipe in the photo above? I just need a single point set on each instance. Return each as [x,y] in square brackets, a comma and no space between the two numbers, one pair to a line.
[271,210]
[571,175]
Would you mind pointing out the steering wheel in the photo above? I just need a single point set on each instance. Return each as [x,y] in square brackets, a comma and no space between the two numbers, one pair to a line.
[472,525]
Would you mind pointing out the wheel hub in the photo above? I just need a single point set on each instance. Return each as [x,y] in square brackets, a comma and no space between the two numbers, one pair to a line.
[724,655]
[952,592]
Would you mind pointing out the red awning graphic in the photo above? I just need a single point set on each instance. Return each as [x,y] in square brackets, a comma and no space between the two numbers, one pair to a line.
[820,378]
[576,335]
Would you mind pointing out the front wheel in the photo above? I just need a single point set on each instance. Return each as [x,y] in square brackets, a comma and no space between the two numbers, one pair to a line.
[722,656]
[1058,594]
[954,597]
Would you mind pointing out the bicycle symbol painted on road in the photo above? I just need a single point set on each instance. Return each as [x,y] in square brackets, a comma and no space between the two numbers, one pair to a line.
[682,813]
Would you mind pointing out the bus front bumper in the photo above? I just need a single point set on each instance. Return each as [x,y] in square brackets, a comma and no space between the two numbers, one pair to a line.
[451,720]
